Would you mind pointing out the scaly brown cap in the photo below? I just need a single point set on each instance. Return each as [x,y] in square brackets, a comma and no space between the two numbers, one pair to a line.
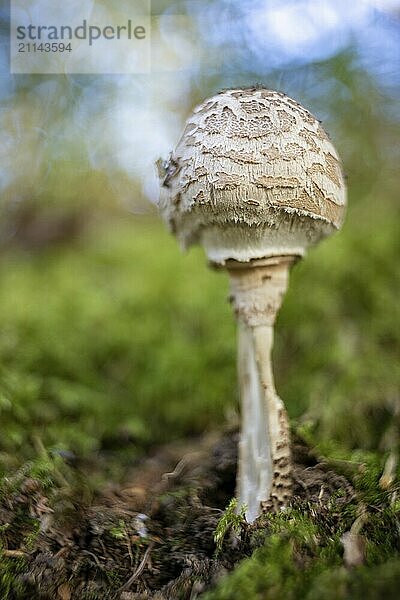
[253,175]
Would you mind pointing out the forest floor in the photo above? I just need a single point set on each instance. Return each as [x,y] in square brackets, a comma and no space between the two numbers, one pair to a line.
[154,536]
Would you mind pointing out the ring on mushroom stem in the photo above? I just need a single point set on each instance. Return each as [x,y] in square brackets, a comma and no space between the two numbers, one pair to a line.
[256,181]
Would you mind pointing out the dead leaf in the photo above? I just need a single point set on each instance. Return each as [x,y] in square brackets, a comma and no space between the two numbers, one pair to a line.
[64,592]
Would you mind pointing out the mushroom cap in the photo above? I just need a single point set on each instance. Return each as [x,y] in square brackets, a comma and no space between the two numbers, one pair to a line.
[254,175]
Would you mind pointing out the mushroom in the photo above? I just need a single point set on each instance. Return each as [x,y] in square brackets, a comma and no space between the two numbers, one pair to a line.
[255,180]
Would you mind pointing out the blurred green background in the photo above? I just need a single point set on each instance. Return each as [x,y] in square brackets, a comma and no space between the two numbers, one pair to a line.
[111,340]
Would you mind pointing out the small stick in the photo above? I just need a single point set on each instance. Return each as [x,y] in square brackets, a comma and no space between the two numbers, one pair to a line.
[14,553]
[139,570]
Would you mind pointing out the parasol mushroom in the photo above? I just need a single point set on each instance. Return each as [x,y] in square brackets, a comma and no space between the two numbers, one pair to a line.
[255,180]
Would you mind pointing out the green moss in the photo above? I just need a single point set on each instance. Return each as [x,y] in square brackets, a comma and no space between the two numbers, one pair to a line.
[109,341]
[301,558]
[231,520]
[10,586]
[119,531]
[363,583]
[299,552]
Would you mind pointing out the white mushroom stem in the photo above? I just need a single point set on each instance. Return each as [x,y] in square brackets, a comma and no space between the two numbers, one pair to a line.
[264,471]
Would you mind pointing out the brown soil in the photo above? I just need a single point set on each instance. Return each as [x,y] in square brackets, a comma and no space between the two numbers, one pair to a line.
[153,537]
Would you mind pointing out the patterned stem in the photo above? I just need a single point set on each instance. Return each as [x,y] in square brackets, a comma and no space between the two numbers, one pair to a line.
[264,475]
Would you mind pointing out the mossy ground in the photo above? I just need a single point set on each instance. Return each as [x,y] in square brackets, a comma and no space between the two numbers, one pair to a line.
[163,533]
[115,344]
